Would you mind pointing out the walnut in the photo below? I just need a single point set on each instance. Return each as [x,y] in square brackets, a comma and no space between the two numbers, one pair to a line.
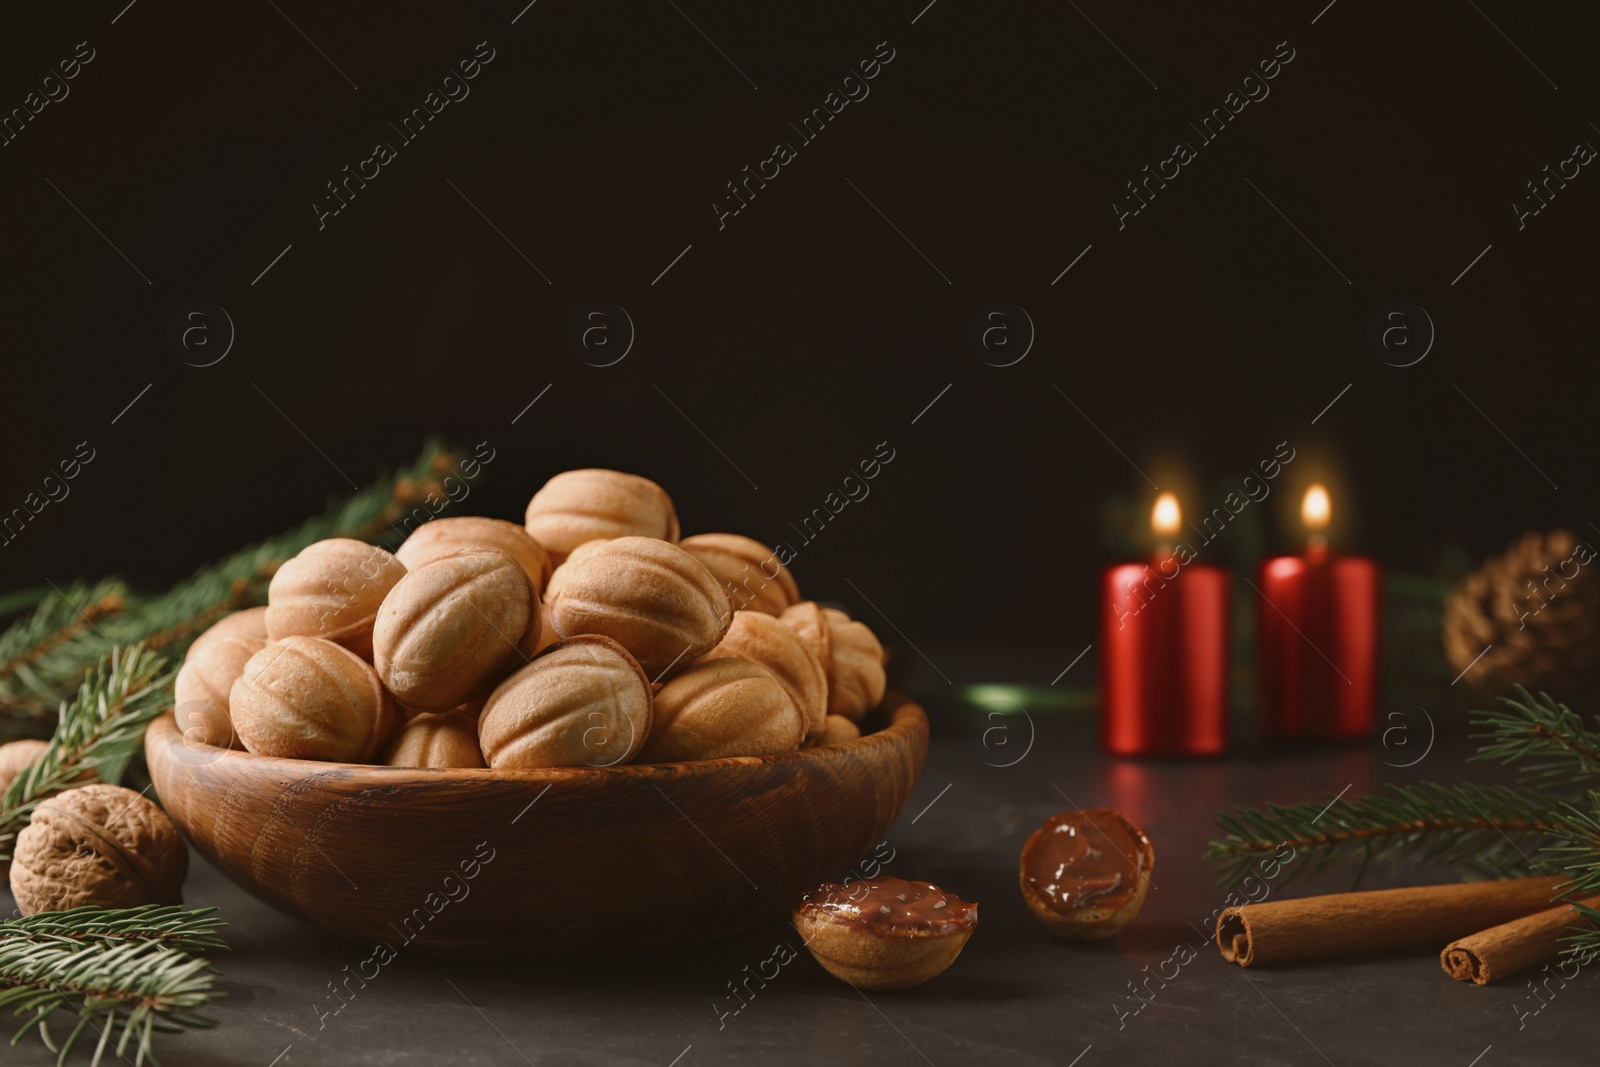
[332,589]
[306,698]
[582,505]
[98,844]
[723,707]
[15,757]
[451,629]
[434,539]
[763,639]
[741,565]
[649,596]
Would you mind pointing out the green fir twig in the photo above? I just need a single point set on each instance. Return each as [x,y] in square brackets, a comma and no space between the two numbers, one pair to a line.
[122,993]
[1485,830]
[1548,734]
[1580,846]
[192,931]
[47,645]
[1578,841]
[19,600]
[1584,943]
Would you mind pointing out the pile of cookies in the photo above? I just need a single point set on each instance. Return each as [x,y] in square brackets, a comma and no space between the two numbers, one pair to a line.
[590,636]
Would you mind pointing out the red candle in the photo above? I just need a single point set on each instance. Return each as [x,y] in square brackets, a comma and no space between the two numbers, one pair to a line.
[1164,651]
[1319,638]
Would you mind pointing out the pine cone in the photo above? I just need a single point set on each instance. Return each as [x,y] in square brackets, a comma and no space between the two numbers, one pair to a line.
[1537,611]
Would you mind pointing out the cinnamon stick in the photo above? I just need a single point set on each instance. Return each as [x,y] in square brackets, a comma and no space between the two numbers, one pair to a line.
[1503,950]
[1382,920]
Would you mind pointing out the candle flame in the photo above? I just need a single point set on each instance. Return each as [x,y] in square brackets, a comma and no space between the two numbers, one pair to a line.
[1315,509]
[1165,517]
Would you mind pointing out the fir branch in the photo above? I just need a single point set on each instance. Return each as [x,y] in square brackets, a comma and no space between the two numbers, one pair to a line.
[126,992]
[44,656]
[1579,844]
[43,645]
[1584,942]
[96,736]
[21,600]
[1578,840]
[1541,729]
[1491,829]
[187,931]
[1543,826]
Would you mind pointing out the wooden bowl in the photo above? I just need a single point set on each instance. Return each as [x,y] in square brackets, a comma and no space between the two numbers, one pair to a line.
[539,864]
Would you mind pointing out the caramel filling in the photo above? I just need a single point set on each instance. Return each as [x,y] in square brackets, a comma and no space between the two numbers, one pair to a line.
[892,907]
[1081,859]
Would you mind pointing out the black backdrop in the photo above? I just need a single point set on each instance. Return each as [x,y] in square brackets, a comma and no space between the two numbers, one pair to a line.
[824,318]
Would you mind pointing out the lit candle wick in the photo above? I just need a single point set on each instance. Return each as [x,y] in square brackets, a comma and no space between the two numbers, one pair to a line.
[1165,518]
[1315,512]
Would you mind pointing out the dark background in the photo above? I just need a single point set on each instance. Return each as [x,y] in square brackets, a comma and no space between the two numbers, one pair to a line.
[808,330]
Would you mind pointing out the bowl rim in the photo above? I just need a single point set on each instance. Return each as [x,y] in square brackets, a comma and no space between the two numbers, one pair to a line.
[905,719]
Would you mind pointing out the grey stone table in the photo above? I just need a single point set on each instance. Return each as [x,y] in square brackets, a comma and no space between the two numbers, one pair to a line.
[1015,996]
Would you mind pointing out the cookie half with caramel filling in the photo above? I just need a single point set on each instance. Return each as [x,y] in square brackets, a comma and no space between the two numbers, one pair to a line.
[1085,874]
[884,933]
